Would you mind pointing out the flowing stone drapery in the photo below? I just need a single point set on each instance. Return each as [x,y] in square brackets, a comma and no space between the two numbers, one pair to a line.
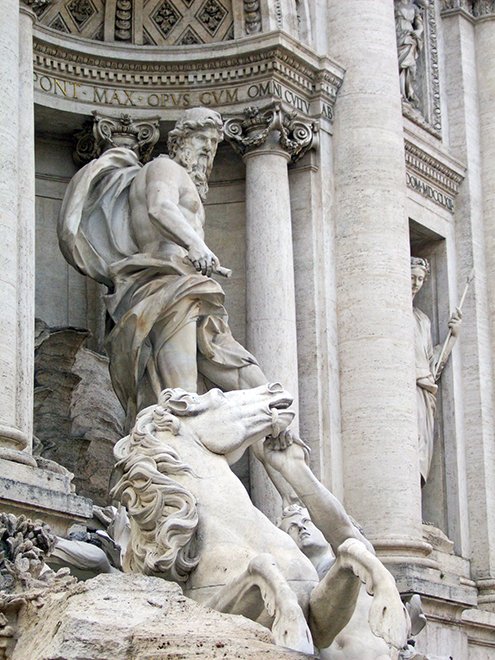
[379,431]
[268,139]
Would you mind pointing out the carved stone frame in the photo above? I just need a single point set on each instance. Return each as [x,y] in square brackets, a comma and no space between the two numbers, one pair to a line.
[429,115]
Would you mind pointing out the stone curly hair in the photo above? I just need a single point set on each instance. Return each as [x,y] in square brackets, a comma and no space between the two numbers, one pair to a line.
[192,120]
[419,262]
[163,513]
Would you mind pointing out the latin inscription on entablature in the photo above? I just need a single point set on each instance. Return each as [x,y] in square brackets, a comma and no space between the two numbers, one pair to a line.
[138,98]
[305,83]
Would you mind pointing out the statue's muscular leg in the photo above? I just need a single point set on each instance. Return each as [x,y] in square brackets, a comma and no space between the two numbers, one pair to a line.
[231,378]
[176,361]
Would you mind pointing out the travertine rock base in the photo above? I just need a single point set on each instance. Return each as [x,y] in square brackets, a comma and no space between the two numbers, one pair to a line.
[133,616]
[77,416]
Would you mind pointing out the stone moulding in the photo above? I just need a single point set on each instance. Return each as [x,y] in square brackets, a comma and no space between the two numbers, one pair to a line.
[431,177]
[430,118]
[470,8]
[77,76]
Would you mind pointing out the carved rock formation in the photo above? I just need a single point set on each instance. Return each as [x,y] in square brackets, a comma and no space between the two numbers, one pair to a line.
[77,417]
[133,616]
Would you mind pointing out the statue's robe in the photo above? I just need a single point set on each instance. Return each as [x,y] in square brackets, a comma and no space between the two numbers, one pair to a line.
[426,390]
[96,237]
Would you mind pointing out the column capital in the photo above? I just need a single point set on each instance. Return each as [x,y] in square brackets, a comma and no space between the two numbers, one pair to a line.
[251,130]
[104,132]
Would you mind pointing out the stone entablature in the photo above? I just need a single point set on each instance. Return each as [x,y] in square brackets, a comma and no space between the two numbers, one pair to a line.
[430,176]
[80,76]
[473,8]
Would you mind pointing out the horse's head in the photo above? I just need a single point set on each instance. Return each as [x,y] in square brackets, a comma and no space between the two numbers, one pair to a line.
[230,421]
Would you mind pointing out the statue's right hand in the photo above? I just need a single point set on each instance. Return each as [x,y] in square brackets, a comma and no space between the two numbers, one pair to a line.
[203,260]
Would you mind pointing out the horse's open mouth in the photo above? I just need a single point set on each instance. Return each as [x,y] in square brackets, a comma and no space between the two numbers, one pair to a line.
[280,422]
[280,404]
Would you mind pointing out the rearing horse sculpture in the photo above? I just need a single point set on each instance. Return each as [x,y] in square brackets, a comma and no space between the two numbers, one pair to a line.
[192,520]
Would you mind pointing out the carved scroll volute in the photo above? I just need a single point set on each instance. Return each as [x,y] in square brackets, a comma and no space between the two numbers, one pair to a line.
[251,129]
[105,132]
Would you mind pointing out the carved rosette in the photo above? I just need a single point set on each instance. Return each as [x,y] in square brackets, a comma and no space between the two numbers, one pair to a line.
[105,132]
[251,130]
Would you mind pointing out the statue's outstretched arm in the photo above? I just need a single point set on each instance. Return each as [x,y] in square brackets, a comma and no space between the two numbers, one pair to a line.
[327,513]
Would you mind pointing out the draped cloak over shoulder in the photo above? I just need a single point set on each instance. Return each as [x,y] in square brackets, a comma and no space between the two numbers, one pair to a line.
[426,389]
[96,236]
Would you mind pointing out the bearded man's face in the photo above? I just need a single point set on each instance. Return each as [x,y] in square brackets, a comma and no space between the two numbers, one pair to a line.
[196,154]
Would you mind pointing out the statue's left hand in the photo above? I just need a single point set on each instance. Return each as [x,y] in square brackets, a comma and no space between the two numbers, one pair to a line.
[283,451]
[455,322]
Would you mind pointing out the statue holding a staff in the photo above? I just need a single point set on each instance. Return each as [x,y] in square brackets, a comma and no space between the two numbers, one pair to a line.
[430,362]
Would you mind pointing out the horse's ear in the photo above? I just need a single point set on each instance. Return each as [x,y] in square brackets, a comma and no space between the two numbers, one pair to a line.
[179,402]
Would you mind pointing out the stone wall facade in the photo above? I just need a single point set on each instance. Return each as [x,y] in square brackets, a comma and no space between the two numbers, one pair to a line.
[400,100]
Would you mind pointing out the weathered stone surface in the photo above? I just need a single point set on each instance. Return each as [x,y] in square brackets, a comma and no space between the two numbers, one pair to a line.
[138,617]
[77,416]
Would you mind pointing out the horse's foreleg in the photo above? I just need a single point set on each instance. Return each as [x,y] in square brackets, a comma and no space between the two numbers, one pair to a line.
[333,600]
[262,586]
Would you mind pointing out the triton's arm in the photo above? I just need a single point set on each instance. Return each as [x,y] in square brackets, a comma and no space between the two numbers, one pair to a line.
[325,510]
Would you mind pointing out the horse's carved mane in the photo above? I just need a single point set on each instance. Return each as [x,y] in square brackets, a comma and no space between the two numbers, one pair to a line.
[163,513]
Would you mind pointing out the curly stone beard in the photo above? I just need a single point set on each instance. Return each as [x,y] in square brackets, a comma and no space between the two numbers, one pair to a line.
[198,166]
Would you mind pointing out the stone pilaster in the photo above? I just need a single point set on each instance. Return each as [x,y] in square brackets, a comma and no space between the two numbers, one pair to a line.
[483,484]
[378,407]
[268,140]
[469,29]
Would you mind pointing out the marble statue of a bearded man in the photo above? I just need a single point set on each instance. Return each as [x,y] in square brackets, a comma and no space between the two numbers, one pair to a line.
[140,231]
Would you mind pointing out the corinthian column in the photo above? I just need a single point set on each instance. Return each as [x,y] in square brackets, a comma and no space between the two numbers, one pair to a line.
[17,219]
[268,140]
[379,436]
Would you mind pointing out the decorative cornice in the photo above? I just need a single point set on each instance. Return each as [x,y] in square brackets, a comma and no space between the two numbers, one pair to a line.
[431,177]
[103,132]
[251,130]
[475,8]
[265,68]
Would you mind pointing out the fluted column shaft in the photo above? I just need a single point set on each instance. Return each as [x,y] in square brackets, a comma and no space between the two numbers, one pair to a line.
[379,434]
[17,228]
[268,139]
